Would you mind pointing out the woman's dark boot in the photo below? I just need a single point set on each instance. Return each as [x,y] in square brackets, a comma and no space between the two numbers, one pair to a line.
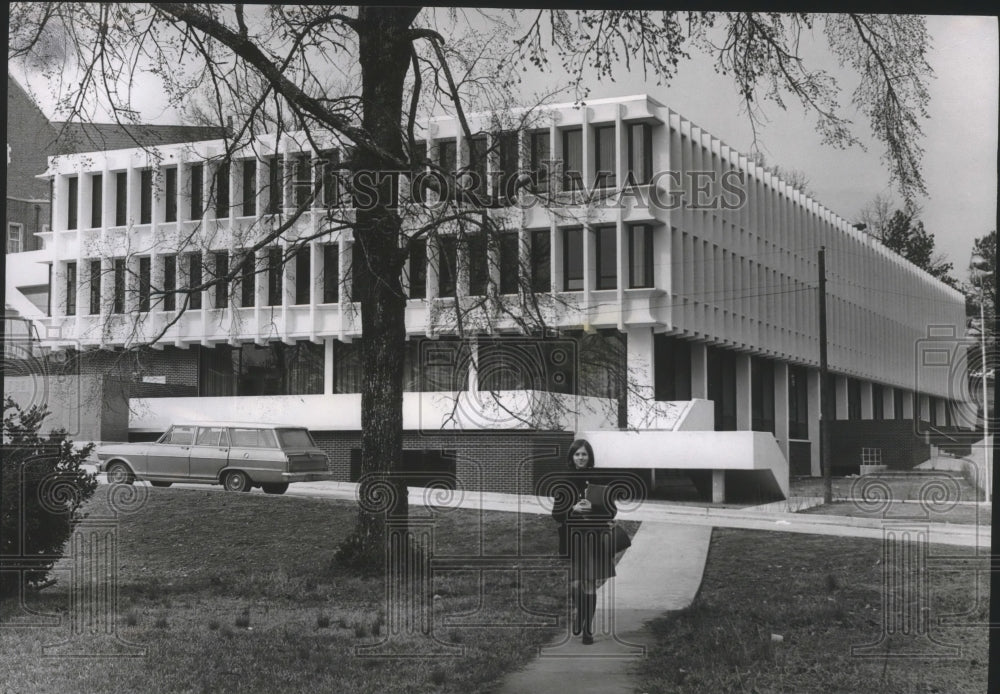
[588,617]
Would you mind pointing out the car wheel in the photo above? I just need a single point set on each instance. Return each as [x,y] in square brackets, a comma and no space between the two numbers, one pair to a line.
[161,484]
[237,481]
[274,488]
[119,473]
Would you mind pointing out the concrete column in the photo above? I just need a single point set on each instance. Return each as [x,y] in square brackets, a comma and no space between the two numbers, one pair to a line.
[925,408]
[908,404]
[940,405]
[718,486]
[744,397]
[815,409]
[867,404]
[781,405]
[840,387]
[699,370]
[888,402]
[639,361]
[328,365]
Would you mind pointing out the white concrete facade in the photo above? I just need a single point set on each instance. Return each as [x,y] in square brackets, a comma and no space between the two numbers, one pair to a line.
[733,264]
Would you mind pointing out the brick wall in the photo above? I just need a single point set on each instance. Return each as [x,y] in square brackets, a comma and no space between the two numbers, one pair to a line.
[485,461]
[179,366]
[902,448]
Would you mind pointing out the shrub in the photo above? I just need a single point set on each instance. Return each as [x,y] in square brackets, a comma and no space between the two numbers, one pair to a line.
[43,489]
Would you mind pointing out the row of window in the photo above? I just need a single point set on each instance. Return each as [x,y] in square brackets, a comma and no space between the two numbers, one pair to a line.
[318,179]
[538,275]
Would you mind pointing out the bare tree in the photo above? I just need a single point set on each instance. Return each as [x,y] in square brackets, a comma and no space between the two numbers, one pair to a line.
[357,80]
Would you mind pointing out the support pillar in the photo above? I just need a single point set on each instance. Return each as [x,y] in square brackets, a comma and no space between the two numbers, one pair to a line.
[639,363]
[867,401]
[718,486]
[840,387]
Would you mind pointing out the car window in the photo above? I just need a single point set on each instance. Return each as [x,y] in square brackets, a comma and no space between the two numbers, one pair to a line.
[295,438]
[183,436]
[209,436]
[244,437]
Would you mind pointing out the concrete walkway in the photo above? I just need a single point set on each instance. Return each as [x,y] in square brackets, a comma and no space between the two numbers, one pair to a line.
[650,582]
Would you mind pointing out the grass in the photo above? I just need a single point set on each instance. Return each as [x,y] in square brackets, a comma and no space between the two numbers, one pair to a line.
[927,497]
[779,612]
[240,593]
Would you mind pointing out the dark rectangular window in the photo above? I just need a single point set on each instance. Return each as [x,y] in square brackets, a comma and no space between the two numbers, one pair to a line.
[853,398]
[418,192]
[197,185]
[331,273]
[573,260]
[605,164]
[478,149]
[145,196]
[144,282]
[118,305]
[70,289]
[541,259]
[248,279]
[249,202]
[221,191]
[221,284]
[72,199]
[447,265]
[479,267]
[169,282]
[302,185]
[878,405]
[303,275]
[448,161]
[447,156]
[671,368]
[572,155]
[330,164]
[510,262]
[722,387]
[762,394]
[121,199]
[538,144]
[96,200]
[640,153]
[897,403]
[798,403]
[170,192]
[275,185]
[274,276]
[640,256]
[607,258]
[195,280]
[418,269]
[505,178]
[95,287]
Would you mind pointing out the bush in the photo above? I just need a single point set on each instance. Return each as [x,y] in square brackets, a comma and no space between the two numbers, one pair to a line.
[43,489]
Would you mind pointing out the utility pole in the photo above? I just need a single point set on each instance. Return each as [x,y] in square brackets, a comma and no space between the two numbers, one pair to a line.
[824,395]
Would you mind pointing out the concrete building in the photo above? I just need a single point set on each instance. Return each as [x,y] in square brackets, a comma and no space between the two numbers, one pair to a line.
[687,302]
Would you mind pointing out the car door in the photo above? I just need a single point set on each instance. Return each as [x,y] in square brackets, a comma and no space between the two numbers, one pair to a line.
[169,459]
[209,454]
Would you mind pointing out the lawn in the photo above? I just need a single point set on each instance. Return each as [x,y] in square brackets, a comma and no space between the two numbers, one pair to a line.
[780,612]
[240,593]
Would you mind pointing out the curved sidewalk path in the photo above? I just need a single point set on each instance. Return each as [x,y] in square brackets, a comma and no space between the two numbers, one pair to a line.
[650,581]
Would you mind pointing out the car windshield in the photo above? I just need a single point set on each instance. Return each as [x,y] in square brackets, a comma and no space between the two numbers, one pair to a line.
[295,438]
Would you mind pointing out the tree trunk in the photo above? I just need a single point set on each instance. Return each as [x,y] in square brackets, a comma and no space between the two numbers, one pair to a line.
[384,56]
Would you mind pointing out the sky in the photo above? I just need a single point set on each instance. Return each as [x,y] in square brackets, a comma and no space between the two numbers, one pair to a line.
[960,143]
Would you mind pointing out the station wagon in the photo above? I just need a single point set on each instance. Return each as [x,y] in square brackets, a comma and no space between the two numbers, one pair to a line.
[239,456]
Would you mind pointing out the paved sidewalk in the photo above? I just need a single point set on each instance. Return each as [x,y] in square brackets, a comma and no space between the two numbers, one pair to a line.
[650,581]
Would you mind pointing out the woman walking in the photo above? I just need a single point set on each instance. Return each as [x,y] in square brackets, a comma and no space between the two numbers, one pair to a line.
[585,537]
